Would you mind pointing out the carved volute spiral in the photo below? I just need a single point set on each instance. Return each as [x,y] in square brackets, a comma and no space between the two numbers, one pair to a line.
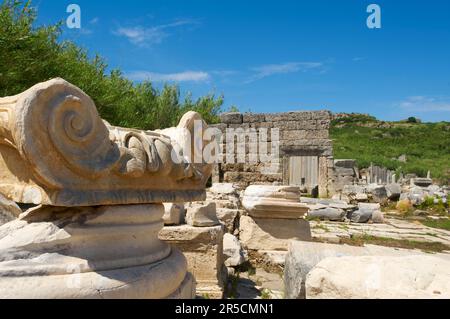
[62,115]
[56,150]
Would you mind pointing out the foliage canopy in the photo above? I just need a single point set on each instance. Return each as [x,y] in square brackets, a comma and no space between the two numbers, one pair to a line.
[31,54]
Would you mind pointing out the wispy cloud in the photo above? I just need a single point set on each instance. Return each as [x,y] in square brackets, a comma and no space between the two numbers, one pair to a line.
[422,103]
[94,20]
[283,68]
[187,76]
[358,59]
[145,36]
[224,73]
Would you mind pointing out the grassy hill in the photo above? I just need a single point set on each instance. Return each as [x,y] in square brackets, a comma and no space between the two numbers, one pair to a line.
[364,138]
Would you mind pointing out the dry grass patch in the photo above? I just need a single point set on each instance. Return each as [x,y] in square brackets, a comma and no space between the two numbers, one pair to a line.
[359,240]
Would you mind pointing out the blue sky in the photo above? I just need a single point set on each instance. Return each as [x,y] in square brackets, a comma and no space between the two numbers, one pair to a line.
[274,56]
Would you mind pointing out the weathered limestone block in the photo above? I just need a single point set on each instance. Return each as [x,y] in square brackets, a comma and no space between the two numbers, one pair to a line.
[361,197]
[267,201]
[90,252]
[353,189]
[202,215]
[378,277]
[379,193]
[228,218]
[271,234]
[327,213]
[361,216]
[393,191]
[56,150]
[343,171]
[377,217]
[253,118]
[8,210]
[173,214]
[366,212]
[226,198]
[231,118]
[233,253]
[203,248]
[222,189]
[302,257]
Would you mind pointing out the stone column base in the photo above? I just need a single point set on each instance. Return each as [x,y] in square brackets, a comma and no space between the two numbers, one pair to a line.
[92,252]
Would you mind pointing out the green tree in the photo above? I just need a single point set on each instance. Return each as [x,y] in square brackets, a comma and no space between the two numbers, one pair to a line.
[31,54]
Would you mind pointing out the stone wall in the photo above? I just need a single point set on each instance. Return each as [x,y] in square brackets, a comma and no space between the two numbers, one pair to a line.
[303,133]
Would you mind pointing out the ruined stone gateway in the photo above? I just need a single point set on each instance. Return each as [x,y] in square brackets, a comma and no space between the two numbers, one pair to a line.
[99,191]
[305,150]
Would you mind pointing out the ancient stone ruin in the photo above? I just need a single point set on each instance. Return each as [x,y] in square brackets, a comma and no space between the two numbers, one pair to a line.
[298,146]
[89,210]
[96,194]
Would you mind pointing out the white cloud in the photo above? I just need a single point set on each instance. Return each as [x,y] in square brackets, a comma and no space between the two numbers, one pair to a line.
[187,76]
[420,103]
[94,20]
[290,67]
[224,73]
[143,36]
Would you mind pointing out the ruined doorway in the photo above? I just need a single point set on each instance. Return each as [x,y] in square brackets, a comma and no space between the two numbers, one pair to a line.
[304,171]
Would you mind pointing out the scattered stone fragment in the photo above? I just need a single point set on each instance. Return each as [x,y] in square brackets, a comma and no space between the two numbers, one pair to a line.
[233,253]
[228,218]
[202,215]
[361,216]
[361,197]
[352,189]
[393,191]
[274,257]
[377,217]
[333,214]
[8,210]
[173,214]
[223,188]
[379,193]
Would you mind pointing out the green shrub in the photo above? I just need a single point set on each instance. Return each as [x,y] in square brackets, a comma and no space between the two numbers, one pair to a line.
[426,146]
[427,203]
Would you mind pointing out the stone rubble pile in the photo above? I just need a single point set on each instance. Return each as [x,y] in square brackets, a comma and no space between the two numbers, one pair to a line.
[203,231]
[339,210]
[417,192]
[228,205]
[194,229]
